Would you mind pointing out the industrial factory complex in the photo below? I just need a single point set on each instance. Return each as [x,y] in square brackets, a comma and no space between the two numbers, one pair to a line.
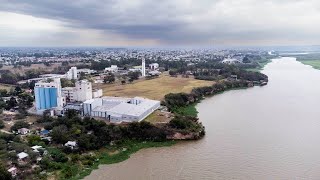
[49,95]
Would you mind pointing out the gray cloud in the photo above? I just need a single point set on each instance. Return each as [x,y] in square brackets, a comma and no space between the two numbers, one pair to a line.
[185,21]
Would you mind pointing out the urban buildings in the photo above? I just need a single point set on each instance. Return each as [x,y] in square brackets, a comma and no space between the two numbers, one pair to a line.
[48,94]
[118,109]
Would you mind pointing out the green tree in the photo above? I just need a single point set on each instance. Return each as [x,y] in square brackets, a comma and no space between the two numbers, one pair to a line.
[25,99]
[1,124]
[134,75]
[4,174]
[34,139]
[60,134]
[109,78]
[19,125]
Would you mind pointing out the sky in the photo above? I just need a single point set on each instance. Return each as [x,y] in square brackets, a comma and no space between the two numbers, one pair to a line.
[159,23]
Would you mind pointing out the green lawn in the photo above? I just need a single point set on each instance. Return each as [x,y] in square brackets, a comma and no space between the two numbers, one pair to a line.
[314,63]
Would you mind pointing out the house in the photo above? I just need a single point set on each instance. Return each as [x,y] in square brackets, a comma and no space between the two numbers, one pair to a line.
[48,138]
[44,133]
[36,148]
[22,156]
[23,131]
[234,77]
[71,144]
[13,171]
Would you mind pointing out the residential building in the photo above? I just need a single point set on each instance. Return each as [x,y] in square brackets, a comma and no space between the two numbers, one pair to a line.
[71,144]
[22,156]
[23,131]
[13,171]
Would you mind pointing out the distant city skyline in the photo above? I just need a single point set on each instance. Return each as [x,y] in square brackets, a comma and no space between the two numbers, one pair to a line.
[167,23]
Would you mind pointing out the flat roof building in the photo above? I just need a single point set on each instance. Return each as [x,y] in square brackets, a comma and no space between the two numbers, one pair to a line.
[118,109]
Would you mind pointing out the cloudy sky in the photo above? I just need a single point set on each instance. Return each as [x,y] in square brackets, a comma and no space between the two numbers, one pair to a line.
[159,22]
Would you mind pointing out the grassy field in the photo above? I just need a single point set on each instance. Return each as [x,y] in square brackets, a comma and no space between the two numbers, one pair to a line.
[314,63]
[154,88]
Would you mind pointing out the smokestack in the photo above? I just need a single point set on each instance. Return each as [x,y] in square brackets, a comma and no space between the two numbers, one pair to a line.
[143,70]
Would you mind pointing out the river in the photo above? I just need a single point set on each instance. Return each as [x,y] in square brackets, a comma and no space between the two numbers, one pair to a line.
[269,132]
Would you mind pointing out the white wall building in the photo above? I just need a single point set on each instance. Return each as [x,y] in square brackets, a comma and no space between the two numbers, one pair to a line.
[81,92]
[154,66]
[97,93]
[112,68]
[117,109]
[86,71]
[72,73]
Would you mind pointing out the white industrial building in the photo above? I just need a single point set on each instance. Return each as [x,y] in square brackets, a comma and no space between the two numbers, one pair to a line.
[112,68]
[72,73]
[81,92]
[154,66]
[118,109]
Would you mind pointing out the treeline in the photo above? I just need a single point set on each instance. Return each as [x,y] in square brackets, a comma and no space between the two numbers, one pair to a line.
[93,134]
[175,101]
[222,71]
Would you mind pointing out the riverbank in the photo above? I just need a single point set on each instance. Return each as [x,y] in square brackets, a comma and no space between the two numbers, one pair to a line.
[118,153]
[314,63]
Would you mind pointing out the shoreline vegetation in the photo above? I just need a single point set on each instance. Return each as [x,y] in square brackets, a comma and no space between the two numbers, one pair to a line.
[313,63]
[260,66]
[312,59]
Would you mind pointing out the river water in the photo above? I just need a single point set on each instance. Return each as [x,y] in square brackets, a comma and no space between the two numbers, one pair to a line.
[269,132]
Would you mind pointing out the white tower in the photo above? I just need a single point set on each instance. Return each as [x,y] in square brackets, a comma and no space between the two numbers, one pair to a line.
[72,73]
[84,90]
[143,69]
